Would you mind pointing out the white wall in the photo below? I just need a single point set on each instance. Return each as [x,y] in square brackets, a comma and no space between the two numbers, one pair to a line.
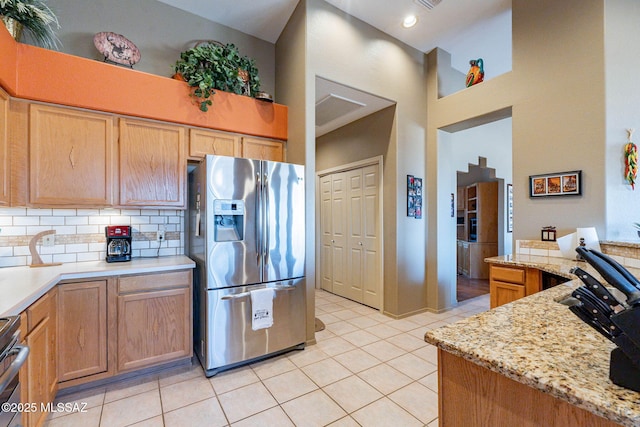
[491,42]
[622,54]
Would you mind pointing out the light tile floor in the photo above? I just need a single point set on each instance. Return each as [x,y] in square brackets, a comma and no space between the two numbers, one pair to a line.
[367,369]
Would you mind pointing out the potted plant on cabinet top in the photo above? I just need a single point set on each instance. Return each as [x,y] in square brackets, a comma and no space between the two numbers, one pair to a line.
[212,65]
[34,16]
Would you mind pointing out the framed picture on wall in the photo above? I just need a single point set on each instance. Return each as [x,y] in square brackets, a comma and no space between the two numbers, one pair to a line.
[414,197]
[509,208]
[556,184]
[411,192]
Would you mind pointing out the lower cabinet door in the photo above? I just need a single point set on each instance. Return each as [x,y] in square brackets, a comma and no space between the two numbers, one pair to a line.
[38,375]
[504,293]
[38,367]
[82,329]
[153,327]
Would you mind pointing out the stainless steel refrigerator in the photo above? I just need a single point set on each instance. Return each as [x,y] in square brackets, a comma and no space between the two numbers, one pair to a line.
[245,231]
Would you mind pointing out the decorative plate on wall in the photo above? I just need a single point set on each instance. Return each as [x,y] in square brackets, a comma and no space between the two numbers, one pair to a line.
[116,48]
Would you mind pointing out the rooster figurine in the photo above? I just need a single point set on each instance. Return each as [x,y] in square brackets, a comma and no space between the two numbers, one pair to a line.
[476,72]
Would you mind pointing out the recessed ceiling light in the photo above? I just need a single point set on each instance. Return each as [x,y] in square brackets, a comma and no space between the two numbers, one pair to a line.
[410,21]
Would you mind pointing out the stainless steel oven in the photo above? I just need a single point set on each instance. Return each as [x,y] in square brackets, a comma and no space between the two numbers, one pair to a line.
[12,357]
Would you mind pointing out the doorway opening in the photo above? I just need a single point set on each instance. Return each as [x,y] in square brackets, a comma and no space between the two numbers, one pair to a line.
[477,231]
[350,212]
[353,133]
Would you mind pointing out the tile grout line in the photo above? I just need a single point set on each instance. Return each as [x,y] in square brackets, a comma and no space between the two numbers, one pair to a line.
[465,310]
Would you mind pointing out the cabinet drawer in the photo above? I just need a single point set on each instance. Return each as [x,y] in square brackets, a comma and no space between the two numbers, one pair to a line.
[38,311]
[150,282]
[508,274]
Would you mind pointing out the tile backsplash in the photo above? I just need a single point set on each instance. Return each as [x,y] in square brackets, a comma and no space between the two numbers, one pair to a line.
[80,233]
[626,253]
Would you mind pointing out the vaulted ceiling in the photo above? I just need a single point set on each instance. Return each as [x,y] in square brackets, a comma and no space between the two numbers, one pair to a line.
[465,28]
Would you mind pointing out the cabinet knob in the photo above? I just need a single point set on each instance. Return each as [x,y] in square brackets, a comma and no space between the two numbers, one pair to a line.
[333,241]
[360,243]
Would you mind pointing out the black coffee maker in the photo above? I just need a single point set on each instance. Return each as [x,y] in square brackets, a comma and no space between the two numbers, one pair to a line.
[118,243]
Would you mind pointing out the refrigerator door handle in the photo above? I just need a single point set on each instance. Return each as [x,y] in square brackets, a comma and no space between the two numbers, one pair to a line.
[236,296]
[267,219]
[258,227]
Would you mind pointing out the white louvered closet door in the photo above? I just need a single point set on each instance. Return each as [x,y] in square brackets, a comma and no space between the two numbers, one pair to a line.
[350,235]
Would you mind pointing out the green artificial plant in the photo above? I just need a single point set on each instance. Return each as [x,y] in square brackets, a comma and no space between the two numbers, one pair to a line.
[35,17]
[212,65]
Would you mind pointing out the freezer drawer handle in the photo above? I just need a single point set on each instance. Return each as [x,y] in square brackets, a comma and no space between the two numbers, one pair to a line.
[246,294]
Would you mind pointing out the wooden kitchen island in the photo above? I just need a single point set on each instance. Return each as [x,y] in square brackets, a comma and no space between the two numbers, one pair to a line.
[528,363]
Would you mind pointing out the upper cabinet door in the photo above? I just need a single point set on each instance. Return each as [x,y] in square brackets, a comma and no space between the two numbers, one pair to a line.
[203,142]
[5,167]
[153,165]
[71,157]
[262,149]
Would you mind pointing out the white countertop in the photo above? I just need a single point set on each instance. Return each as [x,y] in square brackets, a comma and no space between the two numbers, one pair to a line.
[22,286]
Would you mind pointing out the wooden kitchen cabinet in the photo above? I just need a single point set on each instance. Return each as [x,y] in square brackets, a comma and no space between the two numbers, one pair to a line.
[471,395]
[262,149]
[71,157]
[464,256]
[112,325]
[203,142]
[460,198]
[478,269]
[84,333]
[5,165]
[154,319]
[153,164]
[509,283]
[482,210]
[504,293]
[470,258]
[38,376]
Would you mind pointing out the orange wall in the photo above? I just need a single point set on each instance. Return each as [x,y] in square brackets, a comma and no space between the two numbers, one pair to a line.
[45,75]
[7,61]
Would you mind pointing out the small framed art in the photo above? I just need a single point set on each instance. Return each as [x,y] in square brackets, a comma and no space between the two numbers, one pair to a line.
[556,184]
[414,197]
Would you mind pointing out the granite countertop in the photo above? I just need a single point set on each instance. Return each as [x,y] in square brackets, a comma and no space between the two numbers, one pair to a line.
[555,265]
[22,286]
[539,342]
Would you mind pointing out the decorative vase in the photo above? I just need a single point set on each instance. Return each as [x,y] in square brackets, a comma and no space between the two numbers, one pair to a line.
[13,26]
[476,72]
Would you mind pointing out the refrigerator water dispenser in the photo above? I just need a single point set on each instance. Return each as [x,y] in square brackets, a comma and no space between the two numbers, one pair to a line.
[229,220]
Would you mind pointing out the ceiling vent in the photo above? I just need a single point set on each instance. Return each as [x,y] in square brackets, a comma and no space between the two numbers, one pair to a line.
[429,4]
[334,106]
